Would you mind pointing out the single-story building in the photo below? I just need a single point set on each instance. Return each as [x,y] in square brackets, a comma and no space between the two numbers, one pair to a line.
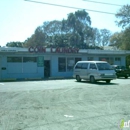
[39,62]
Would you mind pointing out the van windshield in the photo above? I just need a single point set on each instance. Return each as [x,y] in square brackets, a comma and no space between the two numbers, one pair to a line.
[104,66]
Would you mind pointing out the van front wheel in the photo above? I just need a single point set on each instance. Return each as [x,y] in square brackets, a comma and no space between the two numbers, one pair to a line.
[78,78]
[126,77]
[92,79]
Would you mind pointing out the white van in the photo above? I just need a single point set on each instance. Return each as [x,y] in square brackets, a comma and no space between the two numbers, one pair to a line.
[94,71]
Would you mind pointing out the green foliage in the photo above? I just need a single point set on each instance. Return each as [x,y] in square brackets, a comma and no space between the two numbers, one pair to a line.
[126,39]
[74,31]
[52,28]
[116,40]
[15,44]
[37,39]
[77,25]
[105,37]
[100,37]
[121,40]
[123,16]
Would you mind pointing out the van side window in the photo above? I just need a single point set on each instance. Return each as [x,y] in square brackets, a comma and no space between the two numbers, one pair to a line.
[85,66]
[92,66]
[78,66]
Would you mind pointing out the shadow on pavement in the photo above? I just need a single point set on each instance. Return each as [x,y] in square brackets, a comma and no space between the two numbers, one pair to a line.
[98,83]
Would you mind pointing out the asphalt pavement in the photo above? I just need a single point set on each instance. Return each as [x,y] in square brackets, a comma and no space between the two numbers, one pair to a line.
[64,105]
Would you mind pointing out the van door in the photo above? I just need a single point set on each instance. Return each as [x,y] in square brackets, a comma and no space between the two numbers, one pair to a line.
[92,70]
[84,70]
[77,69]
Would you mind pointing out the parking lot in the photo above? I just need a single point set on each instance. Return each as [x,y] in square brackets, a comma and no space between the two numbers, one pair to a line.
[64,105]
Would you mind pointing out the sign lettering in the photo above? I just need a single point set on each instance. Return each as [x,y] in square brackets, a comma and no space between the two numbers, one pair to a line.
[39,49]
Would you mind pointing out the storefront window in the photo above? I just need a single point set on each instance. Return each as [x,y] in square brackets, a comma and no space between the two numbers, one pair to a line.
[117,59]
[103,59]
[67,64]
[62,64]
[14,59]
[70,64]
[90,58]
[29,59]
[110,60]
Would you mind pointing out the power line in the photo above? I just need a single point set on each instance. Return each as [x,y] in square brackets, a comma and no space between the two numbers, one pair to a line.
[102,3]
[69,7]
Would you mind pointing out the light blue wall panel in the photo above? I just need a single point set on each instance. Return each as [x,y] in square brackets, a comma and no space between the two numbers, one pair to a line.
[14,68]
[30,70]
[20,70]
[3,65]
[123,60]
[29,67]
[54,66]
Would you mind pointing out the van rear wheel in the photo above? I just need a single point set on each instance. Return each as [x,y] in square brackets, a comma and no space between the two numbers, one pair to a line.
[126,77]
[78,78]
[92,79]
[108,81]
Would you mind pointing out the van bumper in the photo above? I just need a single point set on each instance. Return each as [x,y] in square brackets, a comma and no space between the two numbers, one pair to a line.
[106,77]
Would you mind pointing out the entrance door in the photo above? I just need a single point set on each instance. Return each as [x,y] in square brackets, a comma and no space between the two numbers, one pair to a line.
[46,68]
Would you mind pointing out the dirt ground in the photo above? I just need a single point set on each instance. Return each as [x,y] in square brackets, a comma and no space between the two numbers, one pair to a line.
[64,105]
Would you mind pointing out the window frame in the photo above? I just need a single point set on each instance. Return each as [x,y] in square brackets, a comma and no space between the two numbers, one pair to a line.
[92,67]
[13,60]
[25,59]
[85,64]
[80,67]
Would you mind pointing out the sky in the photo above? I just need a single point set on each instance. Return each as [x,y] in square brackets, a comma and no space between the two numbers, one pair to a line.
[20,18]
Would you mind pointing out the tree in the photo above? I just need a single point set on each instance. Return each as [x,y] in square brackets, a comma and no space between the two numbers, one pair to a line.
[95,37]
[116,39]
[15,44]
[77,25]
[52,28]
[123,16]
[105,37]
[121,40]
[59,40]
[75,31]
[37,39]
[126,39]
[65,28]
[124,21]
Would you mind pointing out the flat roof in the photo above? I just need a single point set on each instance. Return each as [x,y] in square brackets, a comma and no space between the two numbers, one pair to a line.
[81,51]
